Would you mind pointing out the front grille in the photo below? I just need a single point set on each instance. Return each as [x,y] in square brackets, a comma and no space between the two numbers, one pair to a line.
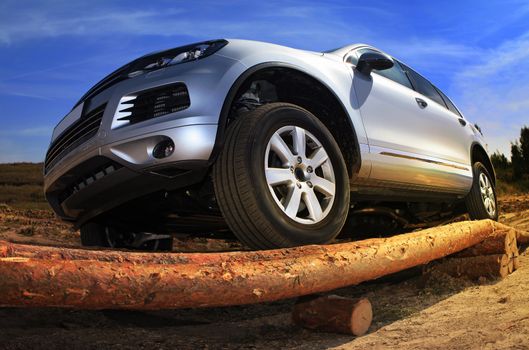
[78,133]
[153,103]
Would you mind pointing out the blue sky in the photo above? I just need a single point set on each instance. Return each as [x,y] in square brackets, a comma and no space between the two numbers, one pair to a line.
[51,52]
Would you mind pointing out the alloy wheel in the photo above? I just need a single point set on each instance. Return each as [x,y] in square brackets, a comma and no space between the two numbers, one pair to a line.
[299,174]
[487,194]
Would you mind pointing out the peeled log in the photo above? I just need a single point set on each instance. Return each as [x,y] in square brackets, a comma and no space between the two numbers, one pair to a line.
[515,263]
[515,260]
[474,267]
[335,314]
[504,242]
[86,279]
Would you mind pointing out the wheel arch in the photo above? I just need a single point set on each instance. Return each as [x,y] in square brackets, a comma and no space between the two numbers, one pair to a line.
[478,154]
[341,127]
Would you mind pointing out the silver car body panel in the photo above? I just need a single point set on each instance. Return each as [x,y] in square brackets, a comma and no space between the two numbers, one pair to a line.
[207,82]
[400,144]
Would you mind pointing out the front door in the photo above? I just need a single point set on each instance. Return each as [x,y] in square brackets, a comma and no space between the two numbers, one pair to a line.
[414,141]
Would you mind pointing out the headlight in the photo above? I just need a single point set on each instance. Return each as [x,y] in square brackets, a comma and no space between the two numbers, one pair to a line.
[174,56]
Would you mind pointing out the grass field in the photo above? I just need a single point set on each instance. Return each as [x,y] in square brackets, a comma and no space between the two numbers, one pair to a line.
[21,186]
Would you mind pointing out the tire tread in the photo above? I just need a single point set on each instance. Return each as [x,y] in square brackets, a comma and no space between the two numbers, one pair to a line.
[234,188]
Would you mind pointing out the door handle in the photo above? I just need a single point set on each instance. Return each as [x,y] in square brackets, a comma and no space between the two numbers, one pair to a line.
[422,103]
[462,121]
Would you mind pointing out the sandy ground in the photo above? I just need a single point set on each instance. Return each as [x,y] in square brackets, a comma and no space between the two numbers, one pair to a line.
[434,312]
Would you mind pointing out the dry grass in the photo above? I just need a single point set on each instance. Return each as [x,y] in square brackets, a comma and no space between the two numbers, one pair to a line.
[21,186]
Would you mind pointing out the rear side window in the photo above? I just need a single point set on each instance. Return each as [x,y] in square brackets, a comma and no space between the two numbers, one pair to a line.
[423,86]
[395,73]
[449,104]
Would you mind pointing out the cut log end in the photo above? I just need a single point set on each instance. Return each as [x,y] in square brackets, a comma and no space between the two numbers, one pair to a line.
[335,314]
[515,263]
[361,317]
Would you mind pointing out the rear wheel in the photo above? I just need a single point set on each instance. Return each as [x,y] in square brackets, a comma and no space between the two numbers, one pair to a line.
[98,235]
[481,202]
[281,180]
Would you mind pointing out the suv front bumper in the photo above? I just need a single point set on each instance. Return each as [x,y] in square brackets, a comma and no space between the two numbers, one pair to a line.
[78,187]
[86,184]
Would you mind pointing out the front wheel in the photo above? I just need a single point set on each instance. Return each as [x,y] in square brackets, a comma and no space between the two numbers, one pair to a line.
[281,180]
[481,202]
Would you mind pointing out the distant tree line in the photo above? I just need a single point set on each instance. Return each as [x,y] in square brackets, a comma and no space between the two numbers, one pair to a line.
[518,167]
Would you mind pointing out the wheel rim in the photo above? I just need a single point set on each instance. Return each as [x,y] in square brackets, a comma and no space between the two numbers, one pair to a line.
[487,194]
[299,175]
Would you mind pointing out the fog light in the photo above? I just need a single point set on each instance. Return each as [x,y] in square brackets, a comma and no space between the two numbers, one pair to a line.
[163,149]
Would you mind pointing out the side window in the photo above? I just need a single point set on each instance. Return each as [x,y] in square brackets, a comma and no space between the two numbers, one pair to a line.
[395,73]
[423,86]
[449,104]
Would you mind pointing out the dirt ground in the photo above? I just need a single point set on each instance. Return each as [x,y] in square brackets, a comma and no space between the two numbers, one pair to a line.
[434,312]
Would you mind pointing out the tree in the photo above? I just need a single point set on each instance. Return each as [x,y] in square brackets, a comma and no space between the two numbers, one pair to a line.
[518,164]
[524,148]
[499,160]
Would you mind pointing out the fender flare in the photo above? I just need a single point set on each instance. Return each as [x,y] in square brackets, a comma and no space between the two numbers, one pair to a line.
[230,97]
[477,147]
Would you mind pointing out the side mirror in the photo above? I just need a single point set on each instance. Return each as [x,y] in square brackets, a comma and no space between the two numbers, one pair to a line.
[373,60]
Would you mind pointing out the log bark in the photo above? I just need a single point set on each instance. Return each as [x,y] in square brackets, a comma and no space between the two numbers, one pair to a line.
[333,313]
[474,267]
[33,276]
[503,242]
[522,236]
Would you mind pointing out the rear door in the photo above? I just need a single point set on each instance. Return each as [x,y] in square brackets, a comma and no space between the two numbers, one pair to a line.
[414,140]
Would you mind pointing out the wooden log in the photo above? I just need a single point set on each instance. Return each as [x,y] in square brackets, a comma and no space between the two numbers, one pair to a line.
[513,243]
[474,267]
[522,236]
[515,253]
[510,265]
[124,280]
[333,313]
[503,242]
[515,263]
[515,257]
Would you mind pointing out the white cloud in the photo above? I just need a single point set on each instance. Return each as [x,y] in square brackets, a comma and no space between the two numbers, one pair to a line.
[494,92]
[40,23]
[40,90]
[431,56]
[44,131]
[37,131]
[502,60]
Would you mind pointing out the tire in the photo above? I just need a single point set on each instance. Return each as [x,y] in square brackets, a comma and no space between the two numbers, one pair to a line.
[97,235]
[94,235]
[163,245]
[251,205]
[482,192]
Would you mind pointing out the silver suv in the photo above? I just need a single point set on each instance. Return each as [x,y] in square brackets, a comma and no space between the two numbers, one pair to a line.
[283,147]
